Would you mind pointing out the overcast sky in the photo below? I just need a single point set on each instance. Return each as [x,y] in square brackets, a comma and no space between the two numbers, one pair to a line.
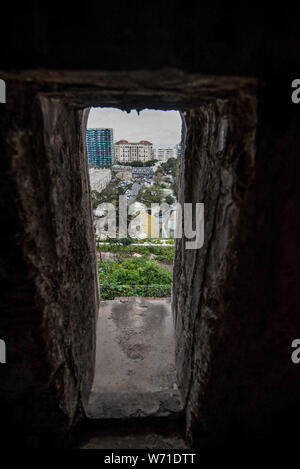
[159,127]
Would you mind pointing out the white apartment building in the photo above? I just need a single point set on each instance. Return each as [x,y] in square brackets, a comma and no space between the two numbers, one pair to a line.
[126,152]
[164,153]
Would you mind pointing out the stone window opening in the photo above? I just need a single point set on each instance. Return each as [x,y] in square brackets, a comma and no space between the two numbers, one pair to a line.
[135,372]
[51,183]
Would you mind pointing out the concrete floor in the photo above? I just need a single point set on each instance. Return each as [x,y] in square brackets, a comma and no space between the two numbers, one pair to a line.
[135,364]
[134,441]
[156,433]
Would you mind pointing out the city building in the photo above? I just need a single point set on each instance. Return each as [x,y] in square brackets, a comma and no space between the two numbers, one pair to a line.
[140,171]
[99,178]
[178,149]
[100,147]
[122,172]
[125,152]
[163,153]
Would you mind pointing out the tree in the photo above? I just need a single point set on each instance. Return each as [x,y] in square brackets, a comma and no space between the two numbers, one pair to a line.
[158,178]
[174,187]
[170,200]
[170,166]
[151,195]
[126,241]
[134,163]
[95,199]
[150,162]
[140,163]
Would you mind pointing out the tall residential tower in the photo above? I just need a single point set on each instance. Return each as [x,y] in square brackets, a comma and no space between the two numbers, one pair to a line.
[100,146]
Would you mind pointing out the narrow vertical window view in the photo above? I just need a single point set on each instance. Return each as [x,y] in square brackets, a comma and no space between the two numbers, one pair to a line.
[149,162]
[133,160]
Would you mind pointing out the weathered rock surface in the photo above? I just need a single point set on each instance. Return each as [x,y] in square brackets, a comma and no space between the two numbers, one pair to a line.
[50,307]
[236,299]
[135,374]
[217,169]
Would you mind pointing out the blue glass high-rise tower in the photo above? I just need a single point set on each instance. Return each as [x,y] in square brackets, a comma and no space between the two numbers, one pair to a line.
[100,146]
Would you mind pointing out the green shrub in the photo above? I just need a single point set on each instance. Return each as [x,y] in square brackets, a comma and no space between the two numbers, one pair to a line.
[126,241]
[162,253]
[133,277]
[168,258]
[109,292]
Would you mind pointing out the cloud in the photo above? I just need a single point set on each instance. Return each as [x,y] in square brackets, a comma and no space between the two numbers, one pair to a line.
[159,127]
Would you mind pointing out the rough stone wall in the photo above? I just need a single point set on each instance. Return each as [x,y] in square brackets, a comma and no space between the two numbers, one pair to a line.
[48,251]
[201,37]
[52,294]
[236,299]
[217,169]
[241,330]
[74,308]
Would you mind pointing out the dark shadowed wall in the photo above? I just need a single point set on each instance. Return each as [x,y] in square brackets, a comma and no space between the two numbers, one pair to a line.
[50,301]
[253,391]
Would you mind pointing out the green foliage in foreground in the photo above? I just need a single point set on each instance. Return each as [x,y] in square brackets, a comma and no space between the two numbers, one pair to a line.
[161,253]
[109,292]
[133,277]
[125,241]
[167,256]
[130,240]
